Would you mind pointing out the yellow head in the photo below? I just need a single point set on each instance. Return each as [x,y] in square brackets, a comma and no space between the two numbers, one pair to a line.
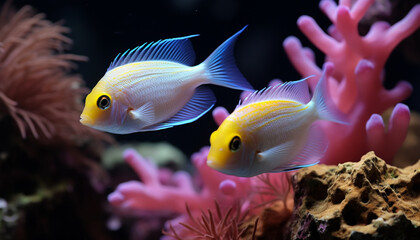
[232,149]
[102,111]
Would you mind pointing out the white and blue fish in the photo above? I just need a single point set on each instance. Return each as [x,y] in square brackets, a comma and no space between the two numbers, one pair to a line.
[154,86]
[272,130]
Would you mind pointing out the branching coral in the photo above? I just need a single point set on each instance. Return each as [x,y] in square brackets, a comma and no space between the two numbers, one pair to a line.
[163,191]
[356,86]
[153,194]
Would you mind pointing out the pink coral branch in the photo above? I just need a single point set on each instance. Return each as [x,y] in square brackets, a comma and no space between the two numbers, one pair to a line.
[386,142]
[220,114]
[360,8]
[315,34]
[304,65]
[329,8]
[151,194]
[402,29]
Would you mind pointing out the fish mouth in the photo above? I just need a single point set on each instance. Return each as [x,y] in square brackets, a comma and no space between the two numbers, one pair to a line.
[214,164]
[85,120]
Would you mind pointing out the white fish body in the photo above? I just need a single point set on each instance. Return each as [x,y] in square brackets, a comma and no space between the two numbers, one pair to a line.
[152,87]
[156,91]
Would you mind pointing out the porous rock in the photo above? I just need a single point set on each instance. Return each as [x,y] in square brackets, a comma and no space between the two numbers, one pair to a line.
[364,200]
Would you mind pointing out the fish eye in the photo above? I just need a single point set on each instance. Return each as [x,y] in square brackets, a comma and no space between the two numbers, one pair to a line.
[103,102]
[235,144]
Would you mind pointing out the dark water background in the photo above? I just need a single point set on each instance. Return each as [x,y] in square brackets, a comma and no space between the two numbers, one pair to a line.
[102,29]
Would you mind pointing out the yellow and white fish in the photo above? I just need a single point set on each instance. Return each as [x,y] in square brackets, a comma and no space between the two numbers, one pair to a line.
[272,130]
[153,86]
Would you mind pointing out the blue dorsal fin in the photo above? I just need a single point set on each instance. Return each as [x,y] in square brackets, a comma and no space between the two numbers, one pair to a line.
[296,90]
[174,49]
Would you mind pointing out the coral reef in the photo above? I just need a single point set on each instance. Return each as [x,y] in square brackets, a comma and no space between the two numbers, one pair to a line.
[364,200]
[356,88]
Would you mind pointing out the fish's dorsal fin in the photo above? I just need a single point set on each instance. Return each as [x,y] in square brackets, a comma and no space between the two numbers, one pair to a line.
[296,90]
[174,49]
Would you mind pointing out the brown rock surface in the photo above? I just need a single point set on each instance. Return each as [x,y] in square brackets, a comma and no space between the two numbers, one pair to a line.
[364,200]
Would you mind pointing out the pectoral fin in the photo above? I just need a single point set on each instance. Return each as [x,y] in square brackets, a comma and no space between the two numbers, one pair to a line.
[315,147]
[202,101]
[145,113]
[276,154]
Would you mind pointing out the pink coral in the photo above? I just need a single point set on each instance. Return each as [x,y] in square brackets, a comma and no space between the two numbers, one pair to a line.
[162,191]
[152,194]
[356,86]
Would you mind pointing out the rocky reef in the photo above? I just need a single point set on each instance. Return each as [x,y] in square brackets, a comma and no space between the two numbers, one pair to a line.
[364,200]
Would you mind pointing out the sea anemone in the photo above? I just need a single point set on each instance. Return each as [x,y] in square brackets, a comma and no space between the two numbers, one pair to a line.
[47,158]
[215,224]
[36,88]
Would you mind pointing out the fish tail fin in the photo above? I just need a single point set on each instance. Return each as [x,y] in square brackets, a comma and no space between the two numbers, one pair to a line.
[325,107]
[221,68]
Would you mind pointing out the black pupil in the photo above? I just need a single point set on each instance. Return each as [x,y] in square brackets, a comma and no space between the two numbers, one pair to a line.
[103,102]
[235,144]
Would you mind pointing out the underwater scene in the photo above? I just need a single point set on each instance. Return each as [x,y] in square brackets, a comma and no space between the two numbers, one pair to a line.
[209,119]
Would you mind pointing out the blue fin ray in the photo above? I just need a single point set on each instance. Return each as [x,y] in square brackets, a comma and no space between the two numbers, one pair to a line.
[174,49]
[295,90]
[325,107]
[221,68]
